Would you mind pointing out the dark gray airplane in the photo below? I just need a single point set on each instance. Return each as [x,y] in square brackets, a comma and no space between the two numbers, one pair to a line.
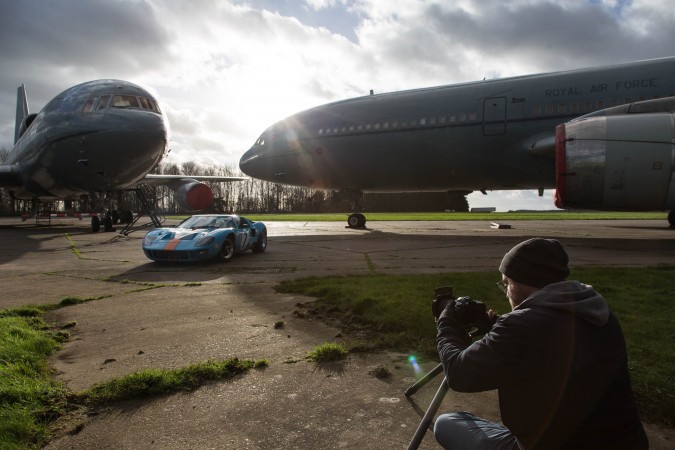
[93,140]
[603,137]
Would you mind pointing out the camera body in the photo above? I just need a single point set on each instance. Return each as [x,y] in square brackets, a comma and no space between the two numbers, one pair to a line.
[467,312]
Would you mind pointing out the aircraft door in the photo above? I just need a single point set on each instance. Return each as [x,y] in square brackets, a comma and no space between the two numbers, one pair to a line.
[494,116]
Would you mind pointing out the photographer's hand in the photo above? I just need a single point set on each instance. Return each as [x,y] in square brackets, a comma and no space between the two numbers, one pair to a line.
[449,324]
[452,310]
[485,325]
[439,305]
[448,310]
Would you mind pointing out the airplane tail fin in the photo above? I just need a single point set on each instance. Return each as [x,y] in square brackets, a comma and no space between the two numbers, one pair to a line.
[21,110]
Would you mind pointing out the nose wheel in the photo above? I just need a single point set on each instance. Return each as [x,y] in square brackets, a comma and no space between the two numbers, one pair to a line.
[356,220]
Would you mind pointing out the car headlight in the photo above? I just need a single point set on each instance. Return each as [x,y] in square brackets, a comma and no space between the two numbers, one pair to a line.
[149,239]
[204,241]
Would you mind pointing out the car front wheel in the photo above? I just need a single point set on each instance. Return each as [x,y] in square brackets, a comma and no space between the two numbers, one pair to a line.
[227,250]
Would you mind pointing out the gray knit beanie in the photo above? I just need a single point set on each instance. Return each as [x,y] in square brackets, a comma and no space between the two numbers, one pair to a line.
[536,262]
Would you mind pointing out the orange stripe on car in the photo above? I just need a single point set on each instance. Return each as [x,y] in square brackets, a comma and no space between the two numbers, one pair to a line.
[172,244]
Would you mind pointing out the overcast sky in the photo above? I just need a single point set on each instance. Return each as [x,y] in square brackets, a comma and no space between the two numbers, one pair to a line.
[226,70]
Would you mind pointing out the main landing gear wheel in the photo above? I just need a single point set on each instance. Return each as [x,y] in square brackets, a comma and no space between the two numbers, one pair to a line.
[108,223]
[356,220]
[671,218]
[95,224]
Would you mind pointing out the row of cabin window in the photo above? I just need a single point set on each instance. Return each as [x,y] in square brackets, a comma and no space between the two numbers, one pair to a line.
[403,123]
[537,110]
[120,101]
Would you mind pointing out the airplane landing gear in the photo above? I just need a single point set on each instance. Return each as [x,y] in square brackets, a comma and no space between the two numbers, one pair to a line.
[671,218]
[356,220]
[107,223]
[95,224]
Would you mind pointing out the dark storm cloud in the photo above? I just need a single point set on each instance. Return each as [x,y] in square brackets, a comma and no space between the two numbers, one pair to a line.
[52,45]
[97,33]
[552,35]
[76,38]
[449,41]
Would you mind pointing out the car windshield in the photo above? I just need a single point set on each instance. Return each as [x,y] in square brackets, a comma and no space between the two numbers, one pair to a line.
[208,222]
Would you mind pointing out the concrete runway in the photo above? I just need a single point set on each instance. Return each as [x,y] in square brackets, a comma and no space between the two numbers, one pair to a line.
[147,315]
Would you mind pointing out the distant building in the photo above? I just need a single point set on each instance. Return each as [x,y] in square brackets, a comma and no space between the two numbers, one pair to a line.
[484,209]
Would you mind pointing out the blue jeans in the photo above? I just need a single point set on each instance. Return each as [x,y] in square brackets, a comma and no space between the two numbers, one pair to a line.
[463,430]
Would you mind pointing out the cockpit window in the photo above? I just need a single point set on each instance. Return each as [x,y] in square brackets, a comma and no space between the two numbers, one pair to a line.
[124,101]
[103,102]
[89,105]
[120,101]
[154,106]
[261,140]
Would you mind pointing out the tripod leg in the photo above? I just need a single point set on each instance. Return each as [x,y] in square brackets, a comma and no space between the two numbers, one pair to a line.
[424,380]
[429,415]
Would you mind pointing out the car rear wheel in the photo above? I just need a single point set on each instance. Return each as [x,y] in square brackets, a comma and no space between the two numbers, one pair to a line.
[261,245]
[227,250]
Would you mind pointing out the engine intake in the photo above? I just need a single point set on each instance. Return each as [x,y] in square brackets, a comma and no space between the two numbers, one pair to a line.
[191,194]
[621,162]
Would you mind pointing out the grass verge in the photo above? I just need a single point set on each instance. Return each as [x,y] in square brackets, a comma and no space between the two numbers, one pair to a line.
[387,311]
[32,399]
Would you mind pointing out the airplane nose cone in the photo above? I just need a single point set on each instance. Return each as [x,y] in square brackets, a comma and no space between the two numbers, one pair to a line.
[250,163]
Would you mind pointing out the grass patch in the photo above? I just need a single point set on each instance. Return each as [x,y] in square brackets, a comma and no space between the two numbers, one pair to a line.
[32,399]
[450,216]
[388,311]
[328,352]
[152,382]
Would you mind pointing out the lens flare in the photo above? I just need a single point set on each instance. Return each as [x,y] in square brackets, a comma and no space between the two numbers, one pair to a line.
[416,367]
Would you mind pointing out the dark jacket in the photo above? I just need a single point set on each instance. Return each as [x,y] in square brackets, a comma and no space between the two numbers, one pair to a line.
[559,363]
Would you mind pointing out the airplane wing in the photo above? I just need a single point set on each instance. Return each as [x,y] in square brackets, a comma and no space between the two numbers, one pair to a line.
[156,179]
[10,176]
[189,191]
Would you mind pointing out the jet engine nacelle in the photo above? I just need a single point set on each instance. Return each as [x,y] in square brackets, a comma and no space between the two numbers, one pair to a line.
[621,162]
[191,195]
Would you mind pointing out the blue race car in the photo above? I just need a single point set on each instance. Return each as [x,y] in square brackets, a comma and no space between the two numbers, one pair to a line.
[206,236]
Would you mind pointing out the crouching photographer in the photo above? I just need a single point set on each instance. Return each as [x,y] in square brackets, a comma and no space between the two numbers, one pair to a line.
[558,361]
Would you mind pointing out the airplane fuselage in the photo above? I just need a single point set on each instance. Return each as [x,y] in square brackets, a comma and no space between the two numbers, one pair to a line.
[495,134]
[96,137]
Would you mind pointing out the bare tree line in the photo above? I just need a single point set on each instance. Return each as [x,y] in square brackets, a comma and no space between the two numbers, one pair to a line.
[250,196]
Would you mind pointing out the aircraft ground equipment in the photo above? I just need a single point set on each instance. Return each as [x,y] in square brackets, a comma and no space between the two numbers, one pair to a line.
[147,207]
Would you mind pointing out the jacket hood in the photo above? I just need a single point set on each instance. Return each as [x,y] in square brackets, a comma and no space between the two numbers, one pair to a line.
[571,296]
